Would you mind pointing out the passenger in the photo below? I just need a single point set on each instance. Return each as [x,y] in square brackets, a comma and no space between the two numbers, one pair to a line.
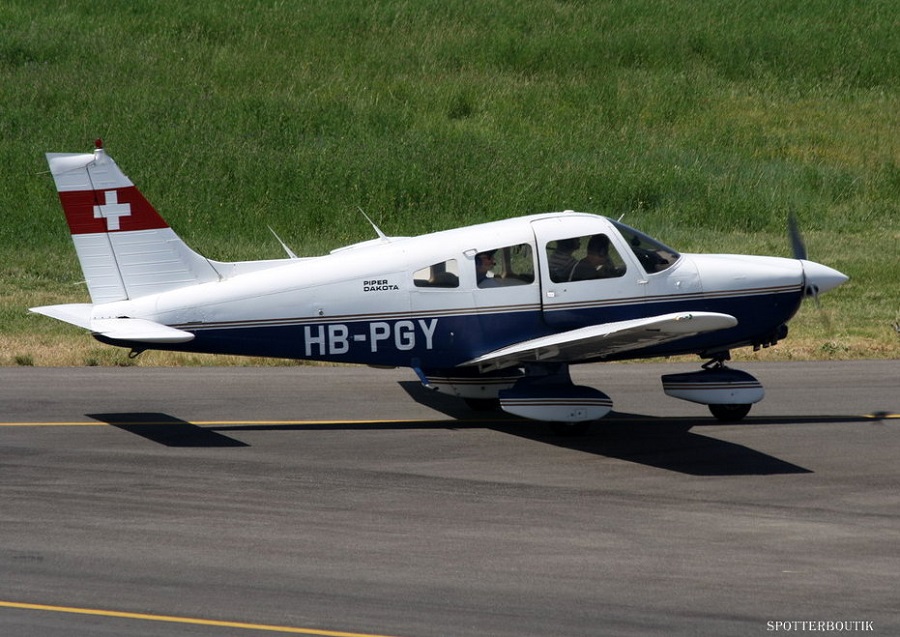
[484,263]
[596,264]
[561,261]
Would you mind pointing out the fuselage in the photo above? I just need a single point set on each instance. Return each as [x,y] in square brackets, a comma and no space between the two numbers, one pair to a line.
[422,302]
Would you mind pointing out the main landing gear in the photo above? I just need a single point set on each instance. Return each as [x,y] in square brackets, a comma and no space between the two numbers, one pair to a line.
[546,392]
[542,392]
[728,393]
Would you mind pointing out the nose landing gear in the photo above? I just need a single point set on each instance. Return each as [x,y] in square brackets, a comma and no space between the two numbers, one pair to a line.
[729,412]
[728,393]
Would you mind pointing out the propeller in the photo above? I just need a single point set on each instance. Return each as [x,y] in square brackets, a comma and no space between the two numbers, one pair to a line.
[798,247]
[817,278]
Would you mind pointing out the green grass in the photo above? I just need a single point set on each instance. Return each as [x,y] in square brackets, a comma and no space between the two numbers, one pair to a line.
[705,124]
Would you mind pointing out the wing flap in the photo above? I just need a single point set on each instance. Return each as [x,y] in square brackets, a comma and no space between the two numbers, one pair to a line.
[606,339]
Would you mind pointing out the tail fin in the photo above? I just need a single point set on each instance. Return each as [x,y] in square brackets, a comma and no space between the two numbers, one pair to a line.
[125,248]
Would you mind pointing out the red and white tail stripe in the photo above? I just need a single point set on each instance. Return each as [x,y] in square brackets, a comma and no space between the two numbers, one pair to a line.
[126,249]
[109,210]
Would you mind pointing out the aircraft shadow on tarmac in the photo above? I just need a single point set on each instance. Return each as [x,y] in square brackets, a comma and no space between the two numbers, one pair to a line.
[167,430]
[665,443]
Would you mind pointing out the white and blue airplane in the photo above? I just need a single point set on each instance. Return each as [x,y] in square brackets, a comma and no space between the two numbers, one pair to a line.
[493,313]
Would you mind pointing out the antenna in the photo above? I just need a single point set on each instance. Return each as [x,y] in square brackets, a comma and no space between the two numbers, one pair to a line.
[290,252]
[381,235]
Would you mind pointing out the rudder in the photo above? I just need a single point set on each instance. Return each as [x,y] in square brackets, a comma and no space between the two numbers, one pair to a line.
[126,249]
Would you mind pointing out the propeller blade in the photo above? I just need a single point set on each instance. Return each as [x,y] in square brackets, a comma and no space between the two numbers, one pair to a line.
[797,246]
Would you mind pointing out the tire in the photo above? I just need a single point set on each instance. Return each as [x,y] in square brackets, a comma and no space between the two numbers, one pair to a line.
[729,413]
[571,429]
[483,404]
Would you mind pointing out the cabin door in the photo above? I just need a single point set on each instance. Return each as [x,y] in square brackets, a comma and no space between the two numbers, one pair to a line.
[587,273]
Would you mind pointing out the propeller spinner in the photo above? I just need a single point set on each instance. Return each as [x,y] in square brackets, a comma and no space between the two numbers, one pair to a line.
[818,278]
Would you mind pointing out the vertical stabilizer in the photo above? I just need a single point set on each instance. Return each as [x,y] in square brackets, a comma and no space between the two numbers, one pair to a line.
[125,248]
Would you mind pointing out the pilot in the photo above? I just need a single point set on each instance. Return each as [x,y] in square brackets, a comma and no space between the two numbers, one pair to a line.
[561,261]
[596,264]
[484,263]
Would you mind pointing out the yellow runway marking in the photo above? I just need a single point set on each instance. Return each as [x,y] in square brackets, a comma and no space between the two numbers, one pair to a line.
[184,620]
[53,424]
[216,423]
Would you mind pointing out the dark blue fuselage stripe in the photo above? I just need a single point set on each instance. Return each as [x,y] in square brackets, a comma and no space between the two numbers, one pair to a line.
[442,341]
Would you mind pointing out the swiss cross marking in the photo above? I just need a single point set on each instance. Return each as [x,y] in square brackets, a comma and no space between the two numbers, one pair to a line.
[112,210]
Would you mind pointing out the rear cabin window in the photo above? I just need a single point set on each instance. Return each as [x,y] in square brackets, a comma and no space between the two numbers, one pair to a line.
[512,265]
[584,259]
[440,275]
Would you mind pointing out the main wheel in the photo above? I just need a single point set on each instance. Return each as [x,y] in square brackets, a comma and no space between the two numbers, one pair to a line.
[483,404]
[571,428]
[729,413]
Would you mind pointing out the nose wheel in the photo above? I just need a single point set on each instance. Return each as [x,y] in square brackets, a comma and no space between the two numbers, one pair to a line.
[729,412]
[728,393]
[726,412]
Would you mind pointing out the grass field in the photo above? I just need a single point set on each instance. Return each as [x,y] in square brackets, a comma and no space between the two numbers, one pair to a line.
[705,124]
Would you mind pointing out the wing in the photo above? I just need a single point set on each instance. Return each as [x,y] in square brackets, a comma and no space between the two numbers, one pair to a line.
[602,340]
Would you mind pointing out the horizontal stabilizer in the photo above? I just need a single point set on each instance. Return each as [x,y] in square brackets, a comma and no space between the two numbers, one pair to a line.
[139,330]
[119,329]
[596,341]
[78,314]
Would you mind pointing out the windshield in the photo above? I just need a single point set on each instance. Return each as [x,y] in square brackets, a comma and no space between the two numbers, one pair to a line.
[653,255]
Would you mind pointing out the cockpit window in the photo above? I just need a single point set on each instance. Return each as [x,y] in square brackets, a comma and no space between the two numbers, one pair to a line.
[653,255]
[512,265]
[583,258]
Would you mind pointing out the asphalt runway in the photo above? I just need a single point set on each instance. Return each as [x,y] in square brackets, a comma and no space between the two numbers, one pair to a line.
[350,501]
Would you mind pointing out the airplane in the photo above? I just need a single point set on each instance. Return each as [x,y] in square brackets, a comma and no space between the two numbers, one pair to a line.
[494,313]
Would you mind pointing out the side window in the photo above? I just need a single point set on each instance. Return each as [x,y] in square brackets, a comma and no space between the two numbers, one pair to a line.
[512,265]
[583,258]
[653,255]
[440,275]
